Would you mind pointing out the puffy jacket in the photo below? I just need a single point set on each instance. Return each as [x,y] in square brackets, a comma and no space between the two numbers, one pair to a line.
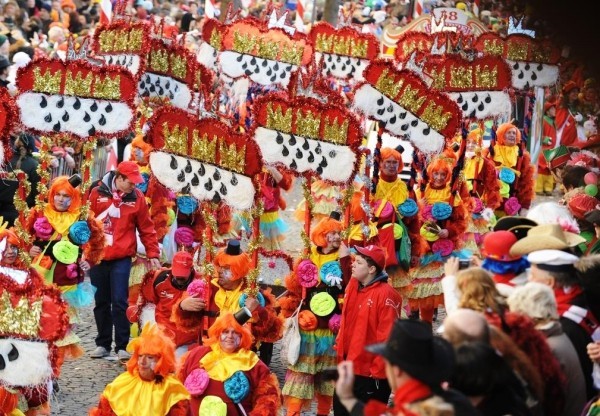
[134,215]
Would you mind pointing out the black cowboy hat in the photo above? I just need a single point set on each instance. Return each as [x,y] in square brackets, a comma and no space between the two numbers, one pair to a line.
[413,347]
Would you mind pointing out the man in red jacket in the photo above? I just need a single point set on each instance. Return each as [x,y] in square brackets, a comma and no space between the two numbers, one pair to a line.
[371,306]
[122,208]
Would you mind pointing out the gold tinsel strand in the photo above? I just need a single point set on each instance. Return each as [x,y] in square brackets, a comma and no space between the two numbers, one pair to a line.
[310,202]
[21,206]
[306,242]
[252,281]
[43,170]
[86,166]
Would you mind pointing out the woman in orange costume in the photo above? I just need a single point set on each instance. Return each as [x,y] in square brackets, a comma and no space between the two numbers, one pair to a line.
[149,386]
[444,218]
[514,169]
[227,371]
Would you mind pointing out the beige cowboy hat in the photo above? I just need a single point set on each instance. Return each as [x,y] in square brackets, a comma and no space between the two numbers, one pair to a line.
[545,237]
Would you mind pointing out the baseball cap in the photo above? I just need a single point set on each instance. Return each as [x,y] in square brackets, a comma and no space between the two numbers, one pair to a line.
[375,253]
[182,264]
[131,171]
[4,62]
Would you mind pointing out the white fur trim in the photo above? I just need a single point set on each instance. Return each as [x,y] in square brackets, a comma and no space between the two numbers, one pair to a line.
[260,70]
[235,189]
[31,367]
[342,67]
[207,56]
[483,104]
[531,74]
[148,314]
[367,100]
[19,276]
[159,86]
[42,112]
[339,160]
[129,62]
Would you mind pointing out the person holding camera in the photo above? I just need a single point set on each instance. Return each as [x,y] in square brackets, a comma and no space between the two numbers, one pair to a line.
[371,307]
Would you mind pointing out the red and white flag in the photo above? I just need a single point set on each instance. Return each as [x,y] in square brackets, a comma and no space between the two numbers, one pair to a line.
[299,23]
[210,9]
[418,8]
[476,8]
[105,12]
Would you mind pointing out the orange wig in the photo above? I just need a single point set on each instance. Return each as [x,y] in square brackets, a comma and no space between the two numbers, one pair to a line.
[139,143]
[239,265]
[356,210]
[11,237]
[389,153]
[475,135]
[153,341]
[327,225]
[224,322]
[438,165]
[61,183]
[501,131]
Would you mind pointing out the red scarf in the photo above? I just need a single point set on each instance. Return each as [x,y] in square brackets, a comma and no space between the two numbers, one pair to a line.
[410,392]
[579,315]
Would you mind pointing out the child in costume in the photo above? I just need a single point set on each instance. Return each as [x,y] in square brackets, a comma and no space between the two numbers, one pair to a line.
[272,227]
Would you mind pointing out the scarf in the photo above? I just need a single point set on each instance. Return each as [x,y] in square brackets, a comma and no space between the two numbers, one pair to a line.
[220,365]
[565,296]
[60,221]
[410,392]
[506,155]
[473,167]
[227,300]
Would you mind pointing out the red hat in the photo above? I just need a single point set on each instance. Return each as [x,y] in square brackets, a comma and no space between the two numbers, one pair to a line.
[569,86]
[182,264]
[375,253]
[131,171]
[548,105]
[497,244]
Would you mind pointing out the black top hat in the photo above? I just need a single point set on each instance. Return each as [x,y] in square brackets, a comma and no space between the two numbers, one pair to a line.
[519,226]
[413,347]
[233,248]
[75,180]
[335,215]
[399,149]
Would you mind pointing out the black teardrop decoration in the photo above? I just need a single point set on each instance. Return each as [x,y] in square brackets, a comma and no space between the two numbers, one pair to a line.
[480,107]
[472,115]
[380,101]
[293,165]
[245,66]
[414,123]
[516,65]
[92,131]
[299,154]
[404,127]
[65,117]
[344,68]
[44,103]
[157,82]
[61,102]
[292,140]
[171,95]
[320,170]
[269,72]
[48,118]
[146,93]
[94,106]
[188,167]
[285,151]
[533,76]
[152,88]
[426,131]
[311,157]
[488,99]
[87,117]
[305,145]
[208,185]
[465,106]
[403,115]
[348,61]
[276,67]
[56,127]
[223,189]
[273,78]
[173,164]
[216,198]
[390,109]
[186,189]
[521,75]
[234,180]
[540,67]
[142,85]
[527,67]
[161,91]
[253,61]
[333,67]
[217,175]
[279,138]
[239,58]
[318,149]
[248,72]
[282,75]
[168,85]
[202,170]
[108,108]
[329,58]
[257,70]
[380,111]
[527,85]
[323,163]
[77,104]
[265,63]
[181,176]
[459,99]
[475,98]
[195,180]
[392,120]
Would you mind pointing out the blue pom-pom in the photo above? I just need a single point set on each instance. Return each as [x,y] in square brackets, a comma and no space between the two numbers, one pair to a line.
[441,211]
[237,387]
[331,273]
[259,297]
[80,233]
[507,175]
[408,208]
[186,204]
[144,185]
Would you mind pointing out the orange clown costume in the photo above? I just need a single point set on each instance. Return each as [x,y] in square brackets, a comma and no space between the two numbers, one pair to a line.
[444,218]
[131,393]
[63,242]
[514,170]
[316,286]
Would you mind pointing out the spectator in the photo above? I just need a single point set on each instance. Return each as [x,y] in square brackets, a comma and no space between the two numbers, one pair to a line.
[123,210]
[4,71]
[372,306]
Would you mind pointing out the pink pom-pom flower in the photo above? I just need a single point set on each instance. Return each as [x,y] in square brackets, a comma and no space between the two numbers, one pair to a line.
[443,246]
[427,213]
[307,273]
[512,206]
[197,381]
[477,205]
[197,288]
[72,271]
[334,323]
[184,236]
[43,229]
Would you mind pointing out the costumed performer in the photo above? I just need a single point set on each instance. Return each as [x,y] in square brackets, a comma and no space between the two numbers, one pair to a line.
[568,117]
[64,247]
[149,386]
[363,230]
[544,182]
[272,227]
[514,169]
[326,198]
[225,377]
[316,286]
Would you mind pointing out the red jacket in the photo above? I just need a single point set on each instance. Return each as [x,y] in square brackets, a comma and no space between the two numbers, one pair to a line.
[134,215]
[367,318]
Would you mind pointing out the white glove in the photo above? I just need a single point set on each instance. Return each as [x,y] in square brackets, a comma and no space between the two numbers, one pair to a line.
[578,118]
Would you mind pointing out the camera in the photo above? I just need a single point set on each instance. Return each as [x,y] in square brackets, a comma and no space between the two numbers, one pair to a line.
[330,374]
[464,264]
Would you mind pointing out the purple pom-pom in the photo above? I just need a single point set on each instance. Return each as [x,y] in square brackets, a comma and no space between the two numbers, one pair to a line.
[334,322]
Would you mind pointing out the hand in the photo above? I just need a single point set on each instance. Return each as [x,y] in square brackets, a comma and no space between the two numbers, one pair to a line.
[191,304]
[252,303]
[345,384]
[443,233]
[155,264]
[344,250]
[35,251]
[451,266]
[593,350]
[523,212]
[84,265]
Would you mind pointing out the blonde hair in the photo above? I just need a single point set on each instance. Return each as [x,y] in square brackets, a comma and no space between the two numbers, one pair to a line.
[535,300]
[478,291]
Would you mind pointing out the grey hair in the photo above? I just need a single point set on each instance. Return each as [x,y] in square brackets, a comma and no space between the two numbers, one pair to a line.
[535,300]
